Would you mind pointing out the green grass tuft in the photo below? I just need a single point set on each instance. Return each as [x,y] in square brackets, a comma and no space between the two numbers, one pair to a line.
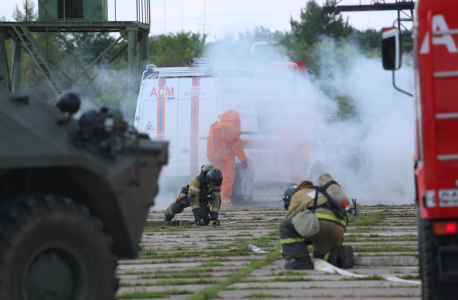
[136,294]
[371,277]
[211,292]
[407,277]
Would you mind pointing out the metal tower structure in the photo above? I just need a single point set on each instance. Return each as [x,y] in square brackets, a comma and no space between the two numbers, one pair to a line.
[401,6]
[69,16]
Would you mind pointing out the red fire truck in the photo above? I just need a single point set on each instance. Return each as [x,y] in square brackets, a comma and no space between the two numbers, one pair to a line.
[435,32]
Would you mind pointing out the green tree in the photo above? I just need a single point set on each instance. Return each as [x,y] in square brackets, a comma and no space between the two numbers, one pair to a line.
[29,13]
[312,25]
[173,50]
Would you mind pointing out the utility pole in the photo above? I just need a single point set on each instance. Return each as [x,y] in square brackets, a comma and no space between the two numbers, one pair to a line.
[165,19]
[205,8]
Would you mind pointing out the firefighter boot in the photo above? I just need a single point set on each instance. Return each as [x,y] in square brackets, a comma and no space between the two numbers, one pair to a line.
[172,210]
[294,248]
[341,257]
[167,215]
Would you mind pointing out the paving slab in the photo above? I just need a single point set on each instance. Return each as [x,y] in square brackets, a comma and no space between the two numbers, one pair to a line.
[160,288]
[386,261]
[323,284]
[252,223]
[334,293]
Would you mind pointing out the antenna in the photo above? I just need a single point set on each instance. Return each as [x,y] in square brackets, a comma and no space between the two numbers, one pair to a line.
[205,17]
[165,18]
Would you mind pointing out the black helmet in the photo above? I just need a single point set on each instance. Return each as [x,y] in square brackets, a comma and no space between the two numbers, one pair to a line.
[288,193]
[215,177]
[69,102]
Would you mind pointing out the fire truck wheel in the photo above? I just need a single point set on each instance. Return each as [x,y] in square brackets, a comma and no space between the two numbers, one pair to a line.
[426,260]
[52,246]
[432,288]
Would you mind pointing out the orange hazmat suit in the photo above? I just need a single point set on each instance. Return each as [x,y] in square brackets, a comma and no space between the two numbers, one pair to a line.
[223,144]
[295,145]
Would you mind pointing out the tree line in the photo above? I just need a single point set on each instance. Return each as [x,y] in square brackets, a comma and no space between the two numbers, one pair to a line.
[303,42]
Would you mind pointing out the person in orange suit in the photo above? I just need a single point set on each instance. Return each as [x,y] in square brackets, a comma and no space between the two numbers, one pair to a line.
[223,144]
[295,145]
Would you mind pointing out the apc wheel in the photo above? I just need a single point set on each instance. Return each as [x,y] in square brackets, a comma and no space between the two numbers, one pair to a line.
[52,248]
[243,188]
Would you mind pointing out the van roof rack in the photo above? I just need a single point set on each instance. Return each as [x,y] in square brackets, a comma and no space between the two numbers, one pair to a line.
[176,72]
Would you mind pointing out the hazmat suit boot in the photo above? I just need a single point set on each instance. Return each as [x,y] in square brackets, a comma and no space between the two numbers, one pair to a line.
[226,203]
[294,248]
[341,257]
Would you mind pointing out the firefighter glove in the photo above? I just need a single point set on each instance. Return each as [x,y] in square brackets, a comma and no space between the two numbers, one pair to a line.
[244,164]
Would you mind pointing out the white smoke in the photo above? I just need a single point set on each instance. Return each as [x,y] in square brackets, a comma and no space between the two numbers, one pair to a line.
[380,140]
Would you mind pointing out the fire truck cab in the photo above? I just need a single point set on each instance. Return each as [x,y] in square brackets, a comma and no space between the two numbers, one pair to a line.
[435,33]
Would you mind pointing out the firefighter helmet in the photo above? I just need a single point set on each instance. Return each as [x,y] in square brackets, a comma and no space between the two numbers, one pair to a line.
[288,193]
[215,177]
[69,102]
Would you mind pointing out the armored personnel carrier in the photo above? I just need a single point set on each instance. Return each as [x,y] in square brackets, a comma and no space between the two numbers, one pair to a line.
[74,196]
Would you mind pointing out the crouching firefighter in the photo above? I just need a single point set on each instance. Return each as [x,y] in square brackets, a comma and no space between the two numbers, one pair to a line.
[202,194]
[316,216]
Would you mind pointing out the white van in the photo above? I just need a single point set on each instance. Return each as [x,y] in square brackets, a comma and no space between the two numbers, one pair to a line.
[180,104]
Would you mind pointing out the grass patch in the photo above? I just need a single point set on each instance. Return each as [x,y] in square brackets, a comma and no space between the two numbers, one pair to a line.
[212,264]
[292,279]
[170,282]
[211,292]
[371,277]
[144,294]
[176,275]
[291,273]
[262,295]
[407,277]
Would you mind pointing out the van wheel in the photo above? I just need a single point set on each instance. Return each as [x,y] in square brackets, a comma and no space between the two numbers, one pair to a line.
[318,168]
[243,188]
[50,246]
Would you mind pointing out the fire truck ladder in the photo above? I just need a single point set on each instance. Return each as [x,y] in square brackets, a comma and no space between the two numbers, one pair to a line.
[38,57]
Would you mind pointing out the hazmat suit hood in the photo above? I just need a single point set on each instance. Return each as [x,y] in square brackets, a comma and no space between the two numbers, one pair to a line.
[231,118]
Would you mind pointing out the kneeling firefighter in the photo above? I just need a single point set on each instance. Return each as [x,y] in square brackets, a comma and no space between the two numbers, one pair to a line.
[202,194]
[316,215]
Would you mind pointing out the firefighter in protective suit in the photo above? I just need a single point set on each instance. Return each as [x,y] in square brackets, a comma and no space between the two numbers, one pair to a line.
[316,215]
[223,144]
[202,194]
[296,139]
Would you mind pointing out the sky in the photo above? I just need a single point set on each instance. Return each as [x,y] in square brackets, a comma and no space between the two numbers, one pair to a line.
[223,17]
